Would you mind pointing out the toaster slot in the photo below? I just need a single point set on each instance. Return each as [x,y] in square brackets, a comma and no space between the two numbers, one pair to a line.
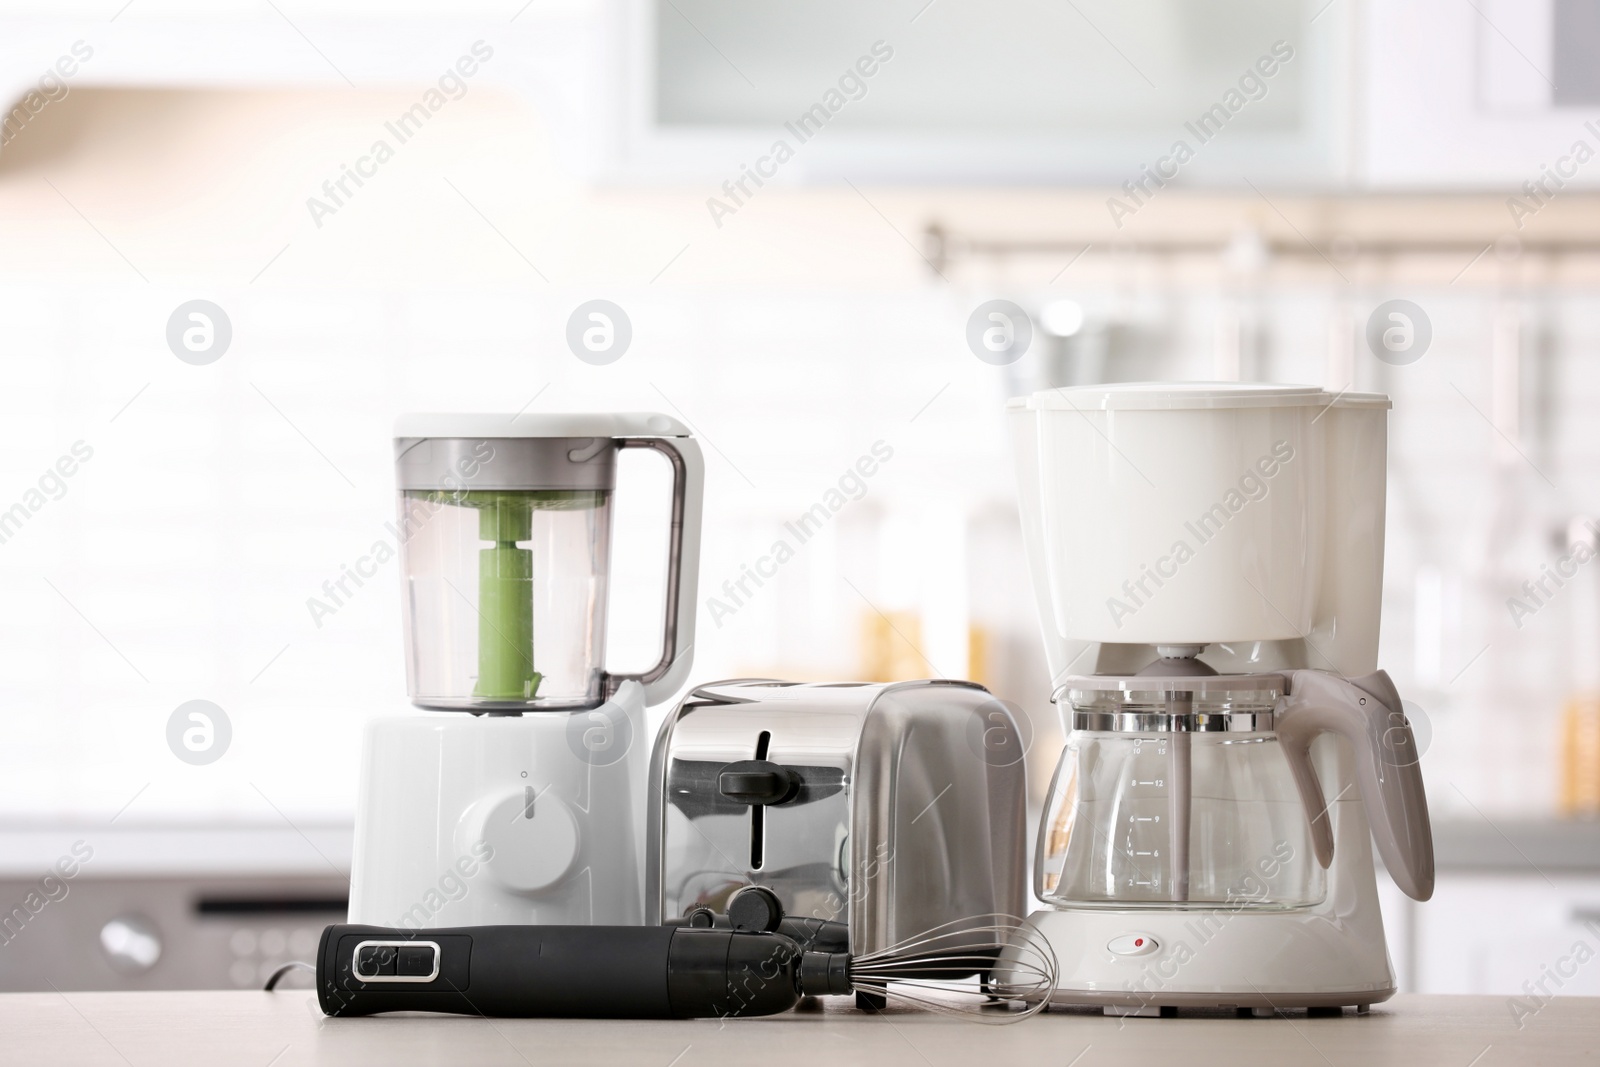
[772,814]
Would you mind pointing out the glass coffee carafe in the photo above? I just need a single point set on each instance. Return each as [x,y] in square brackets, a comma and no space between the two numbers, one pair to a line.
[1176,793]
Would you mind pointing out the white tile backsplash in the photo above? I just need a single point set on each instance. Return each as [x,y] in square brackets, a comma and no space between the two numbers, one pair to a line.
[205,519]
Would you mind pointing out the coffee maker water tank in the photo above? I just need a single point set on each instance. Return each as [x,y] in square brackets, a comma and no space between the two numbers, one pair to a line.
[1247,517]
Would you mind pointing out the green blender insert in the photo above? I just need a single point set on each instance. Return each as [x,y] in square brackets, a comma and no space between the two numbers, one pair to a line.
[506,669]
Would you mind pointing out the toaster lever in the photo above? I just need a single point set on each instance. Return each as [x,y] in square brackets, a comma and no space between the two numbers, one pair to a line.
[758,781]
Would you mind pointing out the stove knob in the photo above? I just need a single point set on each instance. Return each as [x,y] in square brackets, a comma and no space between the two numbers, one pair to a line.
[132,944]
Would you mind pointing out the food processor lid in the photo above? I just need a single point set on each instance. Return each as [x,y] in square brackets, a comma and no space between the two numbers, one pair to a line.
[524,453]
[415,425]
[1199,396]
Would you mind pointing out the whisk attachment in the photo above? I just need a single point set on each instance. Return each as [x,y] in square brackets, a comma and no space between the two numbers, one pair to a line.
[976,967]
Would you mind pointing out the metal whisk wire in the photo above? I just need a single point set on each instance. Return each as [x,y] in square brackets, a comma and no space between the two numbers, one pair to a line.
[940,970]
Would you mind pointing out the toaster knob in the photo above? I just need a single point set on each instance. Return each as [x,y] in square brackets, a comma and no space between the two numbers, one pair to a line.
[758,781]
[755,909]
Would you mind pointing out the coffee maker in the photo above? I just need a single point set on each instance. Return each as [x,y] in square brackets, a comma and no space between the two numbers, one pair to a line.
[515,794]
[1207,560]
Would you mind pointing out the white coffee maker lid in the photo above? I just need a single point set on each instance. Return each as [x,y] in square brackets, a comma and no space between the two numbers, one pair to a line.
[1162,396]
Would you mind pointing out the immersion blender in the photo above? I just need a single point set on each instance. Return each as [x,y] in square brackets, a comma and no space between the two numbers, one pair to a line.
[707,966]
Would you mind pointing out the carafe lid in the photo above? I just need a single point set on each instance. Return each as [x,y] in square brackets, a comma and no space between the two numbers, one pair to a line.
[1230,703]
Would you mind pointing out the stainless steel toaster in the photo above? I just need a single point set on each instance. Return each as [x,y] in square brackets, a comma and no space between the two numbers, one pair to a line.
[893,808]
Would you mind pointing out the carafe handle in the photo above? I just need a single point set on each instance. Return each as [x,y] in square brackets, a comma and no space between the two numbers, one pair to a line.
[683,568]
[1368,713]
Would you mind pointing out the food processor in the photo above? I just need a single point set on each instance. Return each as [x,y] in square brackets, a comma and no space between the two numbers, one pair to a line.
[516,795]
[1208,560]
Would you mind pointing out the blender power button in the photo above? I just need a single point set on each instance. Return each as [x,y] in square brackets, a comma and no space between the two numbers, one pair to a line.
[1133,945]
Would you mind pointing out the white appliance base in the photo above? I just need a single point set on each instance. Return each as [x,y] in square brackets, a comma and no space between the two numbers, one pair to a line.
[475,820]
[1136,962]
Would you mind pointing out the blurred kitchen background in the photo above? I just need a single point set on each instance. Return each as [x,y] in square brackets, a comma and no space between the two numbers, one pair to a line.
[159,151]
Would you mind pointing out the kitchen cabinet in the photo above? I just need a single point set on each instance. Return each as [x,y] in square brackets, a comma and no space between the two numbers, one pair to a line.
[1515,913]
[1098,92]
[1517,936]
[1101,92]
[1488,95]
[1313,95]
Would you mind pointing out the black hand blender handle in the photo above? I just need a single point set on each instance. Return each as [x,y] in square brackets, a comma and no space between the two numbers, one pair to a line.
[635,972]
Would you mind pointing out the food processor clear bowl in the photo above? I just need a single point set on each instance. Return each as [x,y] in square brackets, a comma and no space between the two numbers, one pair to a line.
[505,597]
[1170,797]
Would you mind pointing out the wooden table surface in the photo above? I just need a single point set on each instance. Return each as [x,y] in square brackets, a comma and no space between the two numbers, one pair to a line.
[285,1028]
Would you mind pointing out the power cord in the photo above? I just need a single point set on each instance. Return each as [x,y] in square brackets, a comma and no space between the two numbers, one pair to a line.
[278,974]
